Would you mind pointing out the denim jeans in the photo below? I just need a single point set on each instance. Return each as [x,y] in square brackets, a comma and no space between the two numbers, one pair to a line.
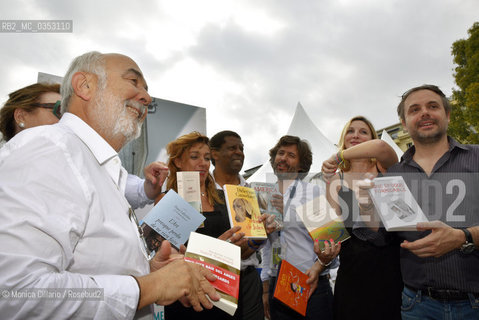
[415,306]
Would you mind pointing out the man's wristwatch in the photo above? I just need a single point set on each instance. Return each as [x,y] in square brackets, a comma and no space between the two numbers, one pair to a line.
[468,246]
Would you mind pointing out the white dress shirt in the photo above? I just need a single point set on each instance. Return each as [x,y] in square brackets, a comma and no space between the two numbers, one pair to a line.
[65,224]
[135,192]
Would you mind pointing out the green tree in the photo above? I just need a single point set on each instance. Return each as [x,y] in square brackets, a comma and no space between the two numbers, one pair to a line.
[464,125]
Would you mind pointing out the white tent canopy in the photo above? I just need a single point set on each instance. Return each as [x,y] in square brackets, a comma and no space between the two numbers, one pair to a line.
[303,127]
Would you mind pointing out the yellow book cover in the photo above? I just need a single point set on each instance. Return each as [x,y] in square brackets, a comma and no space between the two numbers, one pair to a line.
[243,210]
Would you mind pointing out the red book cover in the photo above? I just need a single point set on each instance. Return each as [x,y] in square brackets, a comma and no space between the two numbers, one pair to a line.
[223,259]
[291,288]
[227,281]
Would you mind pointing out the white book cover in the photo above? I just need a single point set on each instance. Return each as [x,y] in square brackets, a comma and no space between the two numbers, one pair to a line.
[188,183]
[223,259]
[395,204]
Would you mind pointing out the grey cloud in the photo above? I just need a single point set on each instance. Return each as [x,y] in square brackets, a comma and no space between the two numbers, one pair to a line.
[339,58]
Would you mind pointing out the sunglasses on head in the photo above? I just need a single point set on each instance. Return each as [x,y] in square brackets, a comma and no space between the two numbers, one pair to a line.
[54,106]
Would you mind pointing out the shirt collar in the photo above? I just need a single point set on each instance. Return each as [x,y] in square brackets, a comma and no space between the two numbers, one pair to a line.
[291,190]
[97,145]
[242,180]
[101,150]
[242,183]
[407,156]
[454,144]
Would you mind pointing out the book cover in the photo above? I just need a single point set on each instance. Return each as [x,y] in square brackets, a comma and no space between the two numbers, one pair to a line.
[395,204]
[321,221]
[173,218]
[244,211]
[188,183]
[291,288]
[223,259]
[264,193]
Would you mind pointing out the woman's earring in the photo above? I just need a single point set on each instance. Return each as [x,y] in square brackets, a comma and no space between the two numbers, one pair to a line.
[21,125]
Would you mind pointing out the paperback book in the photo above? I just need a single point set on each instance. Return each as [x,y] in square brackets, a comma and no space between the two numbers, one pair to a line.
[173,219]
[244,211]
[291,288]
[321,221]
[223,259]
[188,183]
[265,192]
[395,204]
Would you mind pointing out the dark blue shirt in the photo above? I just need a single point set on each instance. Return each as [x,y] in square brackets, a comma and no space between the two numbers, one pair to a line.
[450,194]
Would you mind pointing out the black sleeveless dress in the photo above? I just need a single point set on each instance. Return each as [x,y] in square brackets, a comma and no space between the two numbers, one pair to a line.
[368,284]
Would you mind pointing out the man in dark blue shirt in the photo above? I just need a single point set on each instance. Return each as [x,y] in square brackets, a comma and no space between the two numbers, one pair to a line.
[440,262]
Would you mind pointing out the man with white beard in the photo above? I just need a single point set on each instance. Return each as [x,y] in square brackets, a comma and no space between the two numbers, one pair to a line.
[70,246]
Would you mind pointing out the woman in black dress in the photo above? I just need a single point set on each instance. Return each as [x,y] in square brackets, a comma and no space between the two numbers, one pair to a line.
[191,152]
[368,284]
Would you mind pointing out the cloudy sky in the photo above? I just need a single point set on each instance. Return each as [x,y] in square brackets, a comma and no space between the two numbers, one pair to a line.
[250,62]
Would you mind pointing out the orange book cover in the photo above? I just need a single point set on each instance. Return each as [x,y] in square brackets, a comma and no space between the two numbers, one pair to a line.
[291,288]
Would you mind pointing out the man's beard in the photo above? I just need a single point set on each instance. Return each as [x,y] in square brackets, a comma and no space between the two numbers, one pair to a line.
[127,125]
[116,119]
[289,174]
[429,137]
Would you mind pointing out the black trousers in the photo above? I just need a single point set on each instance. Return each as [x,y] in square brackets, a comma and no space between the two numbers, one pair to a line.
[250,302]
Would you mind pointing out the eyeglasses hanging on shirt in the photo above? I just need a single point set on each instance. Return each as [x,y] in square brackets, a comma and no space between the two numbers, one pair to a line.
[147,252]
